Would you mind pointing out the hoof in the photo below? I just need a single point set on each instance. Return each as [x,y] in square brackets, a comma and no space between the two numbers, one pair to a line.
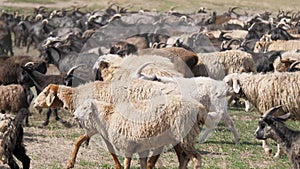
[46,123]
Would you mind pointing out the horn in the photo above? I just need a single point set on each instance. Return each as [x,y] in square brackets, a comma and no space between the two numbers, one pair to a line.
[138,72]
[292,67]
[73,68]
[29,63]
[271,111]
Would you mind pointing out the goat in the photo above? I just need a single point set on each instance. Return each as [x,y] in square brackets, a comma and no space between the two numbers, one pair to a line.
[274,128]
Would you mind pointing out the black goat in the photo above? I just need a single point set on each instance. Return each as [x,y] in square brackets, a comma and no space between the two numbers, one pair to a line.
[10,69]
[274,128]
[40,81]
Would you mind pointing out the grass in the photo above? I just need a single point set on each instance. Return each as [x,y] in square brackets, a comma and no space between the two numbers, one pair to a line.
[33,1]
[219,151]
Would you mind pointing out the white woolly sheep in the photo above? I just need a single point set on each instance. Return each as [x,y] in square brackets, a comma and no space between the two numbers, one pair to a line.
[284,45]
[273,127]
[11,140]
[14,97]
[103,118]
[207,91]
[265,91]
[220,64]
[137,91]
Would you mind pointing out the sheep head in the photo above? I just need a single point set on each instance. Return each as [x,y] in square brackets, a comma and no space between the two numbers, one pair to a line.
[232,83]
[48,98]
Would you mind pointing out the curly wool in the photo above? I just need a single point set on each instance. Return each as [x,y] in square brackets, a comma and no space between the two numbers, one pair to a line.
[220,64]
[265,91]
[13,98]
[277,45]
[7,136]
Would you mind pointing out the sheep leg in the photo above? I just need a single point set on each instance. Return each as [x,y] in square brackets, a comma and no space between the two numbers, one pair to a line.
[205,134]
[229,123]
[78,143]
[152,161]
[182,157]
[127,163]
[196,160]
[46,122]
[143,163]
[27,112]
[116,160]
[20,154]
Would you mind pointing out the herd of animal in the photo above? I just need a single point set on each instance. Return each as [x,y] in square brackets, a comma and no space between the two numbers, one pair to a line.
[144,80]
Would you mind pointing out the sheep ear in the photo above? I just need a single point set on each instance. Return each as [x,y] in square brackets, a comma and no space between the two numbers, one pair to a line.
[50,98]
[236,86]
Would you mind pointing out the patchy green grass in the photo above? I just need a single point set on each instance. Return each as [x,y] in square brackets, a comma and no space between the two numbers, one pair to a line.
[219,151]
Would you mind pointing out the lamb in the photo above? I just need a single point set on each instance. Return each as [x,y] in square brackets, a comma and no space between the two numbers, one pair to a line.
[220,64]
[15,97]
[273,127]
[71,98]
[11,140]
[284,45]
[265,91]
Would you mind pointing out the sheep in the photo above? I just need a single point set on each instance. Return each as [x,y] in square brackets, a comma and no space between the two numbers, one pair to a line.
[11,140]
[15,97]
[183,59]
[265,91]
[40,81]
[103,118]
[273,127]
[188,57]
[211,93]
[70,98]
[220,64]
[261,46]
[107,65]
